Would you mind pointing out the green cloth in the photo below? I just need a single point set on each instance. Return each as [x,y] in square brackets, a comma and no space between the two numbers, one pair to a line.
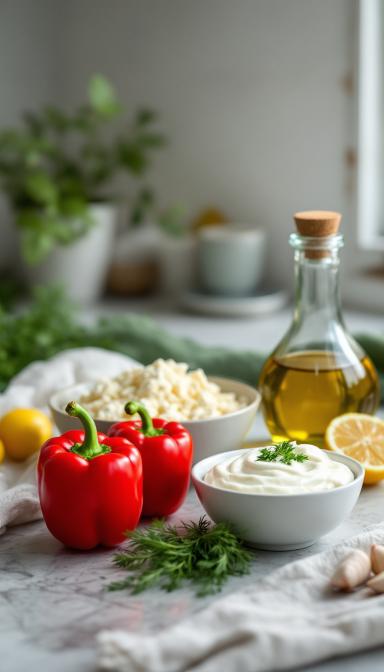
[50,325]
[142,338]
[373,345]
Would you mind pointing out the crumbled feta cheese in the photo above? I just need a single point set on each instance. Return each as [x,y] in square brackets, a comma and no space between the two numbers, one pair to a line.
[168,391]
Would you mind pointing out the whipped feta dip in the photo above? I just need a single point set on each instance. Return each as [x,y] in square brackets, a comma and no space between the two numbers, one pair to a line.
[250,475]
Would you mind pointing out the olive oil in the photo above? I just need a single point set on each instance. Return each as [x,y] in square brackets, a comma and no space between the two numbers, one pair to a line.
[303,391]
[317,371]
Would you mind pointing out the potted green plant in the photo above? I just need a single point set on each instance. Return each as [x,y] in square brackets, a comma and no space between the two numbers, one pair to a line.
[58,170]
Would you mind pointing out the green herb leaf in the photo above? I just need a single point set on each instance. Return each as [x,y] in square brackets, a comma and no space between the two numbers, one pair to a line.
[172,220]
[102,97]
[281,452]
[142,205]
[132,155]
[41,188]
[55,119]
[57,162]
[145,116]
[166,556]
[36,241]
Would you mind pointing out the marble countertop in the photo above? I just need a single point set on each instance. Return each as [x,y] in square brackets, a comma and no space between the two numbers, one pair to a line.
[53,601]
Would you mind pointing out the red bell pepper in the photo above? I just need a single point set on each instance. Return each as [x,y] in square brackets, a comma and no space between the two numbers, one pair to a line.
[90,485]
[166,450]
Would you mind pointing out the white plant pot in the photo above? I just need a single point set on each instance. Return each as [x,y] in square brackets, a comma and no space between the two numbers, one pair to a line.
[82,266]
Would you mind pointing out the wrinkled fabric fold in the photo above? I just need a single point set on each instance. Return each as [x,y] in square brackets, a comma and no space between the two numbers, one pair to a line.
[288,619]
[33,387]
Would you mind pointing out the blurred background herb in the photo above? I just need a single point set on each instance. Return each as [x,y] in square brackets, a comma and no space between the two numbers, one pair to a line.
[58,163]
[51,323]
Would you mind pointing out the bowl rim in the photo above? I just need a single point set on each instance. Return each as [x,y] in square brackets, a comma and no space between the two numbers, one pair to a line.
[358,473]
[54,405]
[253,393]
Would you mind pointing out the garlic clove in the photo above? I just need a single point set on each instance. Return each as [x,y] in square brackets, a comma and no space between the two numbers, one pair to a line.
[377,558]
[354,570]
[377,583]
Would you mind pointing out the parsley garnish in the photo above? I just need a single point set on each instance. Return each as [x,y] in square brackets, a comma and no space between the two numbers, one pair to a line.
[165,556]
[281,452]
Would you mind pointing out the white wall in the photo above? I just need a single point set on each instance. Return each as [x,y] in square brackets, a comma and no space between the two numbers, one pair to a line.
[250,93]
[29,75]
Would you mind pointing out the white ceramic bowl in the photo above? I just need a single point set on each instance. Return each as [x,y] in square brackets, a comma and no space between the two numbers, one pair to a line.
[278,522]
[209,436]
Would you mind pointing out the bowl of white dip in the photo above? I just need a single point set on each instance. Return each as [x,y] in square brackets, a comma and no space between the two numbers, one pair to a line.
[275,505]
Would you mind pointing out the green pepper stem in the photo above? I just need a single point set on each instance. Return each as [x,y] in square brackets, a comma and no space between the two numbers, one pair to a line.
[133,407]
[90,447]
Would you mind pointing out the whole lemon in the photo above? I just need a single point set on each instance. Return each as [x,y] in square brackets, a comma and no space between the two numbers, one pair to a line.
[2,452]
[23,431]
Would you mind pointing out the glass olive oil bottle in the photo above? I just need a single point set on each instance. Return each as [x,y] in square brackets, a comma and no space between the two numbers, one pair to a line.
[317,371]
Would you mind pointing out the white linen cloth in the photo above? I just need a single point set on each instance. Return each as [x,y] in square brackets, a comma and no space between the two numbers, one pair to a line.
[33,387]
[289,619]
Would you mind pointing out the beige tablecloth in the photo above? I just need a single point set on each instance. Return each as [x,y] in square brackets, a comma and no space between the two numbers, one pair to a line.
[289,619]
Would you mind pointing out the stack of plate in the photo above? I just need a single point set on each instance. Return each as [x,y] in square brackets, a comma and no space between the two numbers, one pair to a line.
[264,300]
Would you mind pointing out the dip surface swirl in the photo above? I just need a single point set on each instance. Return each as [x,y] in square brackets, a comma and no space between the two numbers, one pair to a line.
[247,474]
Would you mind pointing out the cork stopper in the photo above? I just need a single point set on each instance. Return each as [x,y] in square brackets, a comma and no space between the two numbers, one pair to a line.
[317,224]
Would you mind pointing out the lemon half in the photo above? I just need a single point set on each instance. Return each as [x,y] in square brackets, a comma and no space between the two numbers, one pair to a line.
[360,436]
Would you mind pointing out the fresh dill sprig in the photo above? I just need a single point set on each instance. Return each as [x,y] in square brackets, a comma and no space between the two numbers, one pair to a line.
[166,556]
[281,452]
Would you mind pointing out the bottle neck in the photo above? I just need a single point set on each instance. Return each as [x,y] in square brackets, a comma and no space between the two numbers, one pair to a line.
[318,323]
[317,287]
